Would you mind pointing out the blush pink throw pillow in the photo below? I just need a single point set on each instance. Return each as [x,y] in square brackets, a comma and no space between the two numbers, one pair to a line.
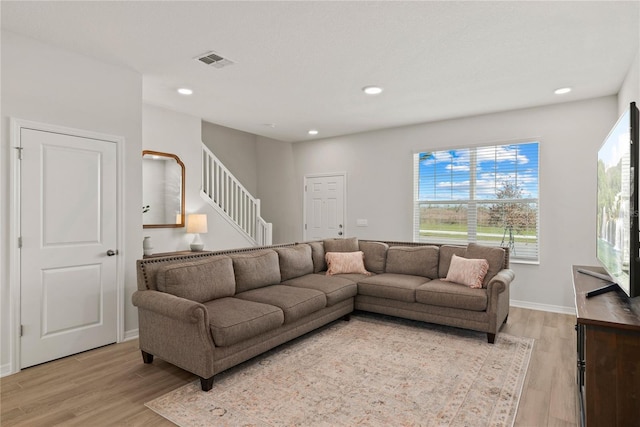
[345,262]
[468,272]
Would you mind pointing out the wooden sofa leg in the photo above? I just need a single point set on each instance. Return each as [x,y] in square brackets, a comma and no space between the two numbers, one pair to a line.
[147,357]
[206,383]
[491,338]
[505,319]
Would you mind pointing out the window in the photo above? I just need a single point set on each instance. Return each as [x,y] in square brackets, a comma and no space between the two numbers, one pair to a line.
[487,195]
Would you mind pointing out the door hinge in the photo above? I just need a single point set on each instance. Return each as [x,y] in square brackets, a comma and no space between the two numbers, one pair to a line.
[305,226]
[19,152]
[20,242]
[305,188]
[21,330]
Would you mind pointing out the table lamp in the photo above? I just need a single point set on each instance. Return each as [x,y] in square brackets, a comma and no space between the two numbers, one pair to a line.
[197,223]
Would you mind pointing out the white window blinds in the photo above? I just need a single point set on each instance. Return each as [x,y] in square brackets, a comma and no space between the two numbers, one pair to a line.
[487,195]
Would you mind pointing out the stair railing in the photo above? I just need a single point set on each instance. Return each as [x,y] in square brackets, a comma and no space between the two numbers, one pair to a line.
[229,197]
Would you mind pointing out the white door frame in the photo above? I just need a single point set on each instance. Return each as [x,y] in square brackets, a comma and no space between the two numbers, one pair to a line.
[14,226]
[344,199]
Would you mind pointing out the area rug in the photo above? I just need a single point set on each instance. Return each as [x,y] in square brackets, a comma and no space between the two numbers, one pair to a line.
[370,371]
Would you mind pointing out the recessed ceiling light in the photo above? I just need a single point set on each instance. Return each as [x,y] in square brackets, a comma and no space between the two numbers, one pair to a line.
[313,132]
[185,91]
[562,90]
[372,90]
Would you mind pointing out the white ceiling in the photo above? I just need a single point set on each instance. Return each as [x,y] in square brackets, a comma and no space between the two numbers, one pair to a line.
[301,65]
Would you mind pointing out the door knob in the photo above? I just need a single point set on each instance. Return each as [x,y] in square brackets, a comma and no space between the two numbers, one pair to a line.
[111,252]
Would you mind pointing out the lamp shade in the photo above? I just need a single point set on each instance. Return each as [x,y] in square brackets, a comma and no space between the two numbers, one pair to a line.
[197,223]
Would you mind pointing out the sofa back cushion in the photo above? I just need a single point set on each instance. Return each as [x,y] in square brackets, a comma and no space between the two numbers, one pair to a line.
[295,261]
[341,245]
[446,253]
[495,257]
[317,255]
[201,281]
[375,256]
[256,269]
[413,260]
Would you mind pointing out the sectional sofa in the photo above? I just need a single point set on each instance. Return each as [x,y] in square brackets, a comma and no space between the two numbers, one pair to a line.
[207,312]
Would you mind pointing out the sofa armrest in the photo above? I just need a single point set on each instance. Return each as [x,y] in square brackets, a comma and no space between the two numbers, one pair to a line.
[501,281]
[176,330]
[498,293]
[170,306]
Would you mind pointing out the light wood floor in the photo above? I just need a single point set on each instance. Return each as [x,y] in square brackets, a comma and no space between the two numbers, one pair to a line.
[109,385]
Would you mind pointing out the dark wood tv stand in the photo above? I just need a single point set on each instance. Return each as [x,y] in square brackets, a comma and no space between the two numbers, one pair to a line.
[608,350]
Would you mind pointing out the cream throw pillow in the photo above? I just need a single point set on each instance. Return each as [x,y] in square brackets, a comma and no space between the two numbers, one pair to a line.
[345,262]
[468,272]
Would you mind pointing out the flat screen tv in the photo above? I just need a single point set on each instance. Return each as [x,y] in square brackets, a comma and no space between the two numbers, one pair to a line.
[618,235]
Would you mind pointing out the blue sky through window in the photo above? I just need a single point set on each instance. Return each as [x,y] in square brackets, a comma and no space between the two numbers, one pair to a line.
[446,175]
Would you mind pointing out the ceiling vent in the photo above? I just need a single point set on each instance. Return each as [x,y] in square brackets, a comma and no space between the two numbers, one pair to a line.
[214,60]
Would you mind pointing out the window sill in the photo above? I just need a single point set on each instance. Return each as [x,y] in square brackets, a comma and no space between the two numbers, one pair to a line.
[523,261]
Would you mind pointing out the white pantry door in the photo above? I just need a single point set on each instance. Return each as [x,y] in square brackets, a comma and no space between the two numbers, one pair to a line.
[324,207]
[68,300]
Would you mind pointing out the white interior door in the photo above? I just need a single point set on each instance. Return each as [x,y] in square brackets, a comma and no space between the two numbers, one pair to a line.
[324,207]
[68,282]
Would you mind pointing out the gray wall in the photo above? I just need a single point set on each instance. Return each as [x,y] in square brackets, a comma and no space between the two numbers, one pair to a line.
[630,90]
[179,133]
[278,189]
[236,150]
[380,183]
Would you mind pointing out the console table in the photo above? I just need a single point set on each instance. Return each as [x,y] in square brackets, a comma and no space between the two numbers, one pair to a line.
[608,350]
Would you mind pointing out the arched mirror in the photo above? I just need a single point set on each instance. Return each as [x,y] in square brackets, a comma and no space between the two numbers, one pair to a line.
[162,190]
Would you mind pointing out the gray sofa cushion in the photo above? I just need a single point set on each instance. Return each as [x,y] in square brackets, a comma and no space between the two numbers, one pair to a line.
[354,277]
[413,260]
[294,302]
[199,281]
[375,256]
[233,320]
[317,255]
[494,255]
[446,253]
[256,269]
[335,288]
[341,245]
[401,287]
[452,295]
[295,261]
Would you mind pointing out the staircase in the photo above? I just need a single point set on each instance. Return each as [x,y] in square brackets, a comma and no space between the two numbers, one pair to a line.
[227,196]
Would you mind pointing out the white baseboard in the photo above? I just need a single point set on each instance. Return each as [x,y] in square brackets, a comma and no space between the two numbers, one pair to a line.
[543,307]
[130,335]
